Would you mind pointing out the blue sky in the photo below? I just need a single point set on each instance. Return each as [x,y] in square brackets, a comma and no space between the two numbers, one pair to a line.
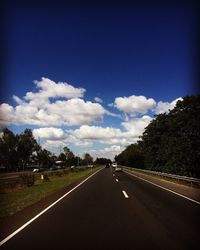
[111,51]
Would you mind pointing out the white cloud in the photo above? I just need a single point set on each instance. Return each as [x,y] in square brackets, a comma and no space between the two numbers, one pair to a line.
[50,89]
[60,104]
[136,126]
[49,133]
[17,99]
[97,99]
[76,111]
[79,142]
[163,107]
[134,104]
[114,136]
[54,146]
[97,133]
[38,109]
[108,152]
[6,114]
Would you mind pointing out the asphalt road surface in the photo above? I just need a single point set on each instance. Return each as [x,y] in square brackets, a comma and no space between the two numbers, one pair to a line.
[114,212]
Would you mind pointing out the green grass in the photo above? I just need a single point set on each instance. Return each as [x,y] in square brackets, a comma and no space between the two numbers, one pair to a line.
[18,199]
[176,181]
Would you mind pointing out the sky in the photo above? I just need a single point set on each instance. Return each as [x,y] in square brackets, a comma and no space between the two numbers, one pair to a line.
[92,75]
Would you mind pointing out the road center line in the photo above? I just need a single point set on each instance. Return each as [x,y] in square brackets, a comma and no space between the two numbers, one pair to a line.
[45,210]
[117,180]
[125,194]
[169,190]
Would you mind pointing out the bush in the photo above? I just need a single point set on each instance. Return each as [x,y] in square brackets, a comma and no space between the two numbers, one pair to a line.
[27,180]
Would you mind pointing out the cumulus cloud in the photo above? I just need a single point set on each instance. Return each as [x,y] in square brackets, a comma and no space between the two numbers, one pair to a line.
[97,133]
[163,107]
[54,145]
[6,114]
[79,142]
[50,133]
[60,104]
[36,108]
[50,89]
[97,99]
[134,104]
[77,111]
[114,136]
[107,152]
[136,126]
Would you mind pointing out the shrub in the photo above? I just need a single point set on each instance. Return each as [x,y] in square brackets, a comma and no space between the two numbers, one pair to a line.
[27,180]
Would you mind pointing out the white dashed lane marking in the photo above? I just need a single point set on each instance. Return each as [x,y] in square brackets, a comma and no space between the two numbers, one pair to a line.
[125,194]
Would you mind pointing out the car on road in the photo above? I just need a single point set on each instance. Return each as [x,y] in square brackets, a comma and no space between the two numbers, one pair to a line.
[114,165]
[118,169]
[107,165]
[37,170]
[90,166]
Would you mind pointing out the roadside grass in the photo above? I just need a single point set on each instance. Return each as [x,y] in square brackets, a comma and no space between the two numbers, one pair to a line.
[12,202]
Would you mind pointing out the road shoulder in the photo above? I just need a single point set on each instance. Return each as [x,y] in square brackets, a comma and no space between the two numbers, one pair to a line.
[185,190]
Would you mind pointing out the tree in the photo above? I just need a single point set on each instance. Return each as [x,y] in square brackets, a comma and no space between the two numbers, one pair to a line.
[132,156]
[102,161]
[45,158]
[68,157]
[71,159]
[8,150]
[87,160]
[62,157]
[171,142]
[26,146]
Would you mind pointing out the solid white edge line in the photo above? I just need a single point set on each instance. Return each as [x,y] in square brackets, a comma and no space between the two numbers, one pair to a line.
[43,211]
[125,194]
[169,190]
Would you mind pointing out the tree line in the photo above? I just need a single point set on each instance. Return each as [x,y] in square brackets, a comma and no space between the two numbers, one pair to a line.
[17,151]
[170,143]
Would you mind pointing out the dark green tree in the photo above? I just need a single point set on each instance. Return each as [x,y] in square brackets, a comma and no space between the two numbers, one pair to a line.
[27,144]
[102,161]
[8,150]
[87,159]
[45,158]
[171,142]
[62,157]
[132,156]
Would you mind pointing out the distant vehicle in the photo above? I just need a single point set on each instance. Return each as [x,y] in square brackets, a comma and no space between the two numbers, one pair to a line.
[90,166]
[118,169]
[107,165]
[114,165]
[37,170]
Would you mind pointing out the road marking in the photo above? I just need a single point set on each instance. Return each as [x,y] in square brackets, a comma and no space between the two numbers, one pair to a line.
[117,180]
[45,210]
[113,174]
[169,190]
[125,194]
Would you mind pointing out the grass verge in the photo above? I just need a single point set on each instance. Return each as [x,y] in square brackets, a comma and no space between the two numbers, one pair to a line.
[165,178]
[18,199]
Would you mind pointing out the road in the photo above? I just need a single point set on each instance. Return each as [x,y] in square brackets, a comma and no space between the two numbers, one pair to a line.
[114,212]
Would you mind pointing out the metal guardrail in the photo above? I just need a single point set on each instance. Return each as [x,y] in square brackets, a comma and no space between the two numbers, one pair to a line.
[177,177]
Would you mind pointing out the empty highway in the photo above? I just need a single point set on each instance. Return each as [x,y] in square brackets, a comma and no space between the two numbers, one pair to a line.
[114,211]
